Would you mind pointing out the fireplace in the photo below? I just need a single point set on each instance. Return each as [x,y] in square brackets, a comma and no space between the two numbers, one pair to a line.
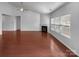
[44,28]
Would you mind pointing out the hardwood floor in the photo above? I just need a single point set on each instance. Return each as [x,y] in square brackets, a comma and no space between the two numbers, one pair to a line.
[31,44]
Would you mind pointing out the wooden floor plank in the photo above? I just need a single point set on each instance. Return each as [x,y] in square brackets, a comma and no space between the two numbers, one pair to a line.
[31,44]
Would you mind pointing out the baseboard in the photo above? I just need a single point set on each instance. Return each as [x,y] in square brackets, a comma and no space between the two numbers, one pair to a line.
[20,31]
[9,30]
[30,30]
[0,32]
[65,45]
[69,48]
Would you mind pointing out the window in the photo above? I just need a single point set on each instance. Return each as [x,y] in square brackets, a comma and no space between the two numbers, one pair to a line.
[65,22]
[52,24]
[61,24]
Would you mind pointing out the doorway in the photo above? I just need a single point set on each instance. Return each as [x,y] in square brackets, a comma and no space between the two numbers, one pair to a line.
[18,23]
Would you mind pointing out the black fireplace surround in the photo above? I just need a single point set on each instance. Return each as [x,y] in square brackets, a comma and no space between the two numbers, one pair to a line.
[44,28]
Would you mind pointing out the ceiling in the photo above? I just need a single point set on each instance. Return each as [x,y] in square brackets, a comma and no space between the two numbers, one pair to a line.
[40,7]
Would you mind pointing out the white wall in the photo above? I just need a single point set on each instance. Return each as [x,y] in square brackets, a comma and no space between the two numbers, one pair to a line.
[44,20]
[8,23]
[70,8]
[0,24]
[30,21]
[7,9]
[75,27]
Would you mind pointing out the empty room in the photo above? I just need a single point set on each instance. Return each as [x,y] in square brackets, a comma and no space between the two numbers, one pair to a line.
[39,29]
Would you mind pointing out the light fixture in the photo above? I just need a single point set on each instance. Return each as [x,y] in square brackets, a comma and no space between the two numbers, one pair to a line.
[22,9]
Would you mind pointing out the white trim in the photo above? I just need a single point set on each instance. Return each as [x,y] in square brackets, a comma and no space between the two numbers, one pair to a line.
[10,30]
[30,30]
[0,32]
[65,43]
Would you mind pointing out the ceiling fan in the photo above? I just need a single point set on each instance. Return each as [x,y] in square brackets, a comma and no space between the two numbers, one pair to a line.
[21,9]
